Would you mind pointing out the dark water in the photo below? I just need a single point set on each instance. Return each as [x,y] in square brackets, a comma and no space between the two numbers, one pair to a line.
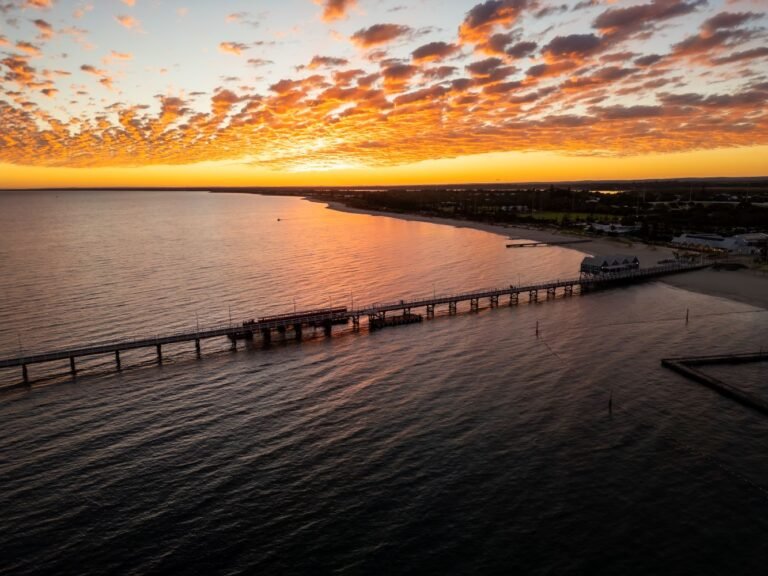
[461,445]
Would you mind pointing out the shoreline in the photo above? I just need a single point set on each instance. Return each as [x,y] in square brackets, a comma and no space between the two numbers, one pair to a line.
[743,286]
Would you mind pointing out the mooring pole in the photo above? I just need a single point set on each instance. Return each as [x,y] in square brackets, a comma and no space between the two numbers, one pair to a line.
[686,316]
[117,360]
[537,328]
[24,373]
[159,354]
[72,368]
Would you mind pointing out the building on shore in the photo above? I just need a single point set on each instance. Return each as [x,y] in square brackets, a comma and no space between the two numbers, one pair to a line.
[609,264]
[739,244]
[612,229]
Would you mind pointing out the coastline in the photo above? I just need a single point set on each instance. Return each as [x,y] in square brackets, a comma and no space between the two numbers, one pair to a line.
[744,286]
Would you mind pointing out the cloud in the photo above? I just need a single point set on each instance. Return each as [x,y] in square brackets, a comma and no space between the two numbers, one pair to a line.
[521,49]
[121,56]
[753,54]
[481,20]
[19,71]
[28,48]
[484,67]
[92,70]
[128,22]
[236,17]
[717,34]
[104,77]
[44,28]
[129,2]
[581,77]
[80,11]
[624,22]
[439,72]
[574,46]
[396,76]
[326,62]
[434,51]
[725,20]
[236,48]
[335,9]
[648,60]
[38,4]
[379,34]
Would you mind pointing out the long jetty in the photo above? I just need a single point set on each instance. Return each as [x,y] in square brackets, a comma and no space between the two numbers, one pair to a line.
[376,315]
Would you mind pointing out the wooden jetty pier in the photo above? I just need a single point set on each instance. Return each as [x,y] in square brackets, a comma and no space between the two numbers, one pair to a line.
[296,323]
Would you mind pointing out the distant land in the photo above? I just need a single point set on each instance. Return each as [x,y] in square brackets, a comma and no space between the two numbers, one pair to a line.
[753,183]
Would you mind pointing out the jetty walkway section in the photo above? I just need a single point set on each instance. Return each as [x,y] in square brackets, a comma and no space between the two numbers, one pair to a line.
[689,367]
[326,318]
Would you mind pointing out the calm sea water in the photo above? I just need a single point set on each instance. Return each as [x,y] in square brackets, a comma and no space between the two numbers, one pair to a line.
[462,445]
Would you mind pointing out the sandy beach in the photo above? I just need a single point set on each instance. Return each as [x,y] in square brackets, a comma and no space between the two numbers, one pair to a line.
[746,286]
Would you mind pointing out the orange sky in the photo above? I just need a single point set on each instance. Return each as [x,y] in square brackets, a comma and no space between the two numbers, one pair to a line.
[495,167]
[345,92]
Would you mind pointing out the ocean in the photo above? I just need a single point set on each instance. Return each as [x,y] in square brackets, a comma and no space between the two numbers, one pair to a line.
[460,445]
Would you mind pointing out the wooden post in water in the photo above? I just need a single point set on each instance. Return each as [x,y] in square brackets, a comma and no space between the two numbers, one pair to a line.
[686,316]
[72,368]
[537,328]
[197,347]
[24,373]
[117,360]
[159,354]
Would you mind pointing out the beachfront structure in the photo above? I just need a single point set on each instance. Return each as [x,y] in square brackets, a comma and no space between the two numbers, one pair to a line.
[609,264]
[612,229]
[739,244]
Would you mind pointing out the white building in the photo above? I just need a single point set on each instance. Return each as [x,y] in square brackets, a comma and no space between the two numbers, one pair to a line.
[613,228]
[609,264]
[739,244]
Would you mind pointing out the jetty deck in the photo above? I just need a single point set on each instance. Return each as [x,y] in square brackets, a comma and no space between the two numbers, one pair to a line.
[376,315]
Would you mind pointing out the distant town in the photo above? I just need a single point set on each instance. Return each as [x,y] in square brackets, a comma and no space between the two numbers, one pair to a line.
[719,215]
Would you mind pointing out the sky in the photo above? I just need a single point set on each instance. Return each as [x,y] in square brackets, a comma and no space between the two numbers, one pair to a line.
[362,92]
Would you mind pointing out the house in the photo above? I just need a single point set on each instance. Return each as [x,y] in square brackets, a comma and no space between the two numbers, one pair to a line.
[609,264]
[613,229]
[739,244]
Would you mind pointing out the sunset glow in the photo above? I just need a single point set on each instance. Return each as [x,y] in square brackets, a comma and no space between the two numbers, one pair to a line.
[303,92]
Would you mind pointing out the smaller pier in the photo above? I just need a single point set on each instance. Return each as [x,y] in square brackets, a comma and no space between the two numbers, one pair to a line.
[552,243]
[688,367]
